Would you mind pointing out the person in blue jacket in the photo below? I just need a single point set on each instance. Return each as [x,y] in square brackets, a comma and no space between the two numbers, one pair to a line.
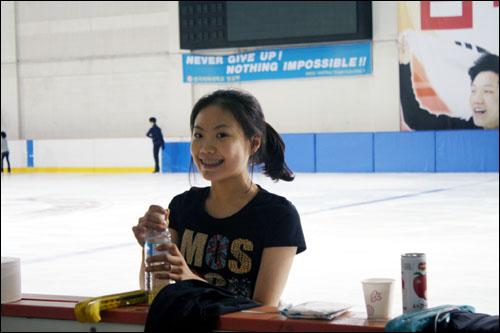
[156,135]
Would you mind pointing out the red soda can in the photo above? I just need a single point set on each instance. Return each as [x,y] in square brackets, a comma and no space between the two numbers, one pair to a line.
[414,279]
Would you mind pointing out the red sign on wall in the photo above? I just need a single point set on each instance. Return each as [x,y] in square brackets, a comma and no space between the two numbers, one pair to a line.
[429,22]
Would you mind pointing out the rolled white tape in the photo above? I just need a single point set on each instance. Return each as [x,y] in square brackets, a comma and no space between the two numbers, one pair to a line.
[11,279]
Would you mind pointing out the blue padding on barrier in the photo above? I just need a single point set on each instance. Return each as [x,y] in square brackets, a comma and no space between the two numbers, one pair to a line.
[404,152]
[176,157]
[30,154]
[467,150]
[344,152]
[299,152]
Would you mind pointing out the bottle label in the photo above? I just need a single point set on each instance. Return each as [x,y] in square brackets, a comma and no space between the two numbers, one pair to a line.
[153,283]
[150,247]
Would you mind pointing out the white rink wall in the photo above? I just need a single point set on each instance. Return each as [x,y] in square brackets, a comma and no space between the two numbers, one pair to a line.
[18,154]
[89,153]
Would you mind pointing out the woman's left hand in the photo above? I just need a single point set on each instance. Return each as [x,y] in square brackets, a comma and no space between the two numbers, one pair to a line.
[170,265]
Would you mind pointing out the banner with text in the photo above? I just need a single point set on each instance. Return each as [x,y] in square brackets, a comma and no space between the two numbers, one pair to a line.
[330,60]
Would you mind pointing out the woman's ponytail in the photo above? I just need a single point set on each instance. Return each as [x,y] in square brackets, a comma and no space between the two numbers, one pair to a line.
[273,157]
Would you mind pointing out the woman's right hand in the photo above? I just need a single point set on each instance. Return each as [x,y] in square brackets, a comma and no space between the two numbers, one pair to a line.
[155,218]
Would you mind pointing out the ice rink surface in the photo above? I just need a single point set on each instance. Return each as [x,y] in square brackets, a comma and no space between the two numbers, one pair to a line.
[73,232]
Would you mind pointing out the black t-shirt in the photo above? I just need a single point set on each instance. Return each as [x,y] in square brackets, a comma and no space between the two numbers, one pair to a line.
[227,252]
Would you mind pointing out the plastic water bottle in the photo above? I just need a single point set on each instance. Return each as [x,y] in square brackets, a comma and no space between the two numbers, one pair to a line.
[152,283]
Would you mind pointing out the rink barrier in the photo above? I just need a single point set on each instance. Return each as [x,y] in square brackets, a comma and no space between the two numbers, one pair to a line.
[344,152]
[84,169]
[176,157]
[29,153]
[300,152]
[422,151]
[460,151]
[406,151]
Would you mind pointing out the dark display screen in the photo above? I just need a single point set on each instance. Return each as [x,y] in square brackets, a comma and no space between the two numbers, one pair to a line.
[257,20]
[223,24]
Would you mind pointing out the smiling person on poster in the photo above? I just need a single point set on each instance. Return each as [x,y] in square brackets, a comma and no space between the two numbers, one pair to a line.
[483,96]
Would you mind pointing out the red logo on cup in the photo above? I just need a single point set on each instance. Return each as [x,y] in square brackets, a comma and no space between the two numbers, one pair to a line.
[370,310]
[375,296]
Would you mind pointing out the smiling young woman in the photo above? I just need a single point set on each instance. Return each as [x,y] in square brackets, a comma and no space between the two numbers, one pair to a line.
[233,234]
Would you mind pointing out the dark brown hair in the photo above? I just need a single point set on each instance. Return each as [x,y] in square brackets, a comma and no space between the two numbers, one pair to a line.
[248,113]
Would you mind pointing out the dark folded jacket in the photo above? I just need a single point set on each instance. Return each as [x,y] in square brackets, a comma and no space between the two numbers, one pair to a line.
[192,305]
[461,321]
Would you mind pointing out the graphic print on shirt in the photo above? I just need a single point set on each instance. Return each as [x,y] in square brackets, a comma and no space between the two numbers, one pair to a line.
[217,253]
[215,279]
[243,264]
[240,286]
[193,248]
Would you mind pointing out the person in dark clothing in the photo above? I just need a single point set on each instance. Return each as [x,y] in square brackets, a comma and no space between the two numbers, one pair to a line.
[5,151]
[158,143]
[233,234]
[483,98]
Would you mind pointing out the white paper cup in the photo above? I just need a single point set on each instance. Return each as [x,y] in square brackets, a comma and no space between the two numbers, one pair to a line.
[11,279]
[378,297]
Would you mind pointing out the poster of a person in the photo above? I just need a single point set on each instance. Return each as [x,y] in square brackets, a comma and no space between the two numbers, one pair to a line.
[483,96]
[448,65]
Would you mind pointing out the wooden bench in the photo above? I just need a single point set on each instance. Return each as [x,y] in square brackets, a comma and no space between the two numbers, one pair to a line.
[53,312]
